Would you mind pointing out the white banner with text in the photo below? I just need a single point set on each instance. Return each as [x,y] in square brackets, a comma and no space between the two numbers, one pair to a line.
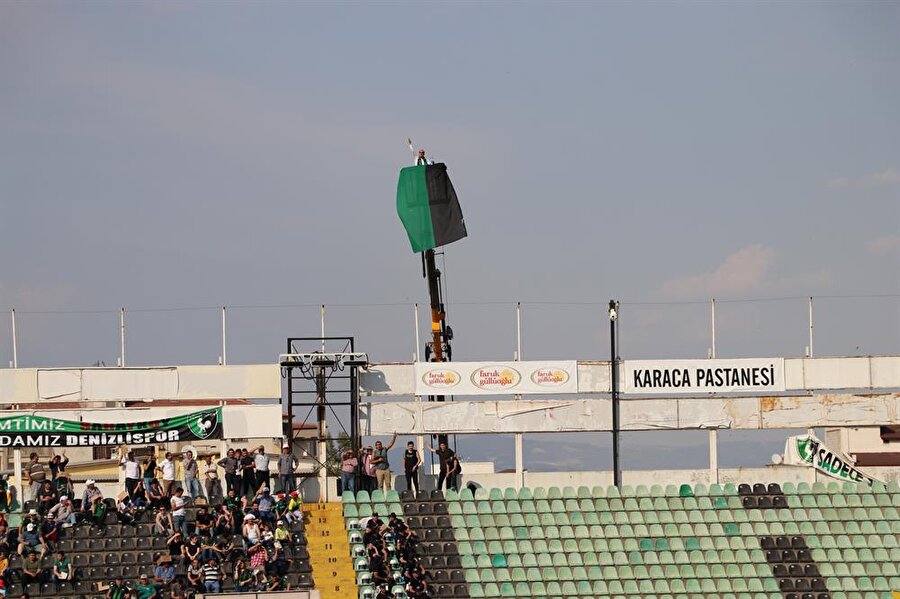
[496,378]
[759,375]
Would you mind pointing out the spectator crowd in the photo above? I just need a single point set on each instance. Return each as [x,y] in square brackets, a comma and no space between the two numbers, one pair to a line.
[243,532]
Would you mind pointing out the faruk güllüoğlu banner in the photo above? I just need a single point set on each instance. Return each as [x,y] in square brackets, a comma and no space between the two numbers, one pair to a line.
[38,431]
[496,378]
[703,376]
[808,450]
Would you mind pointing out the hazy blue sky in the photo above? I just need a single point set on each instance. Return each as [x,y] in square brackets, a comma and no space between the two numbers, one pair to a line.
[168,155]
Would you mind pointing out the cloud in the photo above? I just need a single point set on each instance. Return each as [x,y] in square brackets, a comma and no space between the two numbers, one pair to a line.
[742,272]
[889,176]
[884,245]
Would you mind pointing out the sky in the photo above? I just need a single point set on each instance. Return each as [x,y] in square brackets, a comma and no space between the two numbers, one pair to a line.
[173,158]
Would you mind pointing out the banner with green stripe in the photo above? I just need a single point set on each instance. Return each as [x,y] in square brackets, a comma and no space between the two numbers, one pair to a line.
[428,207]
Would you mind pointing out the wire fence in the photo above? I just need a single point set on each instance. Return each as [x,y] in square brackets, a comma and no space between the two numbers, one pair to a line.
[838,325]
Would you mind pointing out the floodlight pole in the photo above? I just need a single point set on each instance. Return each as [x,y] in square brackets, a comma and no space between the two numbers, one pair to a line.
[614,386]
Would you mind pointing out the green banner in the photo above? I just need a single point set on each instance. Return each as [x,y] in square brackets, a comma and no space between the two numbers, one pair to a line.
[39,431]
[812,452]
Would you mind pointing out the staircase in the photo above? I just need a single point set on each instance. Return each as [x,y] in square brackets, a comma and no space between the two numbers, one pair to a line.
[329,551]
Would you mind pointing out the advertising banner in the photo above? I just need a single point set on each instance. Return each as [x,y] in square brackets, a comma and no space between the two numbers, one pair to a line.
[496,378]
[38,431]
[808,450]
[648,377]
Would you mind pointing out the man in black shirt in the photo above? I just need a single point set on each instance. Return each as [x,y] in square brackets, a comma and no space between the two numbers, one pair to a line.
[446,455]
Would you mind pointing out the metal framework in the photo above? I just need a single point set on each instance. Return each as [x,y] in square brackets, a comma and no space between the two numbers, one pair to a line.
[321,380]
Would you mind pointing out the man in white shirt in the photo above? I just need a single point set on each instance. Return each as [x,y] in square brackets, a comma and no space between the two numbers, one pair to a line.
[167,468]
[261,463]
[178,511]
[132,473]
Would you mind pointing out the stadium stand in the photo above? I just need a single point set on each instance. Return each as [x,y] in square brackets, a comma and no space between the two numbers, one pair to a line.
[819,541]
[102,552]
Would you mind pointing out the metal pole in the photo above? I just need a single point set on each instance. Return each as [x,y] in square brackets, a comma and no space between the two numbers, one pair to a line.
[614,386]
[712,318]
[15,339]
[122,338]
[323,327]
[811,327]
[713,456]
[518,331]
[224,356]
[416,323]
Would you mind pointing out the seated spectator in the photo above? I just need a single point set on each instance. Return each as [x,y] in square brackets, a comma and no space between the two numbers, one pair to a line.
[63,513]
[176,546]
[92,503]
[32,569]
[212,577]
[251,531]
[63,570]
[190,551]
[282,534]
[32,541]
[417,587]
[203,522]
[163,523]
[244,580]
[278,583]
[47,497]
[117,589]
[294,508]
[144,589]
[259,557]
[384,593]
[224,522]
[195,576]
[266,505]
[164,574]
[157,496]
[126,511]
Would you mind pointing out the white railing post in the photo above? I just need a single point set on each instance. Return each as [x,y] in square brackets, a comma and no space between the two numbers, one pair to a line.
[15,339]
[122,338]
[224,355]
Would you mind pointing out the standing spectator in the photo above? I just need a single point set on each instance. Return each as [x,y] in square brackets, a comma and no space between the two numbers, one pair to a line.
[382,466]
[287,463]
[149,472]
[58,465]
[411,462]
[211,480]
[132,473]
[231,465]
[167,469]
[191,472]
[248,474]
[63,571]
[144,589]
[348,471]
[261,463]
[212,577]
[178,511]
[454,469]
[445,454]
[368,470]
[35,474]
[4,489]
